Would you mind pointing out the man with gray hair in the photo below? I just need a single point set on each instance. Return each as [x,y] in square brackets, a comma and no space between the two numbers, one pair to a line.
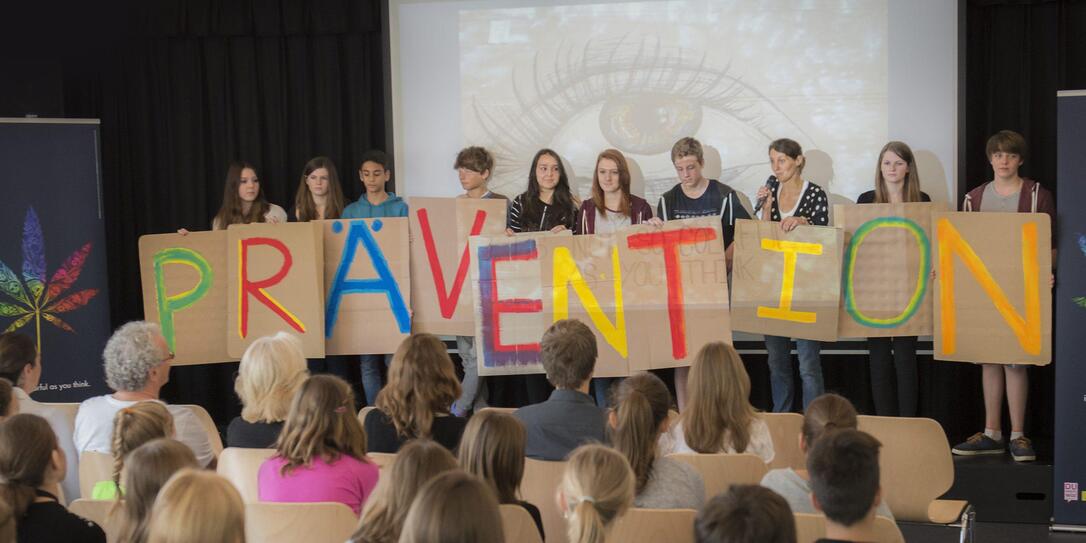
[137,364]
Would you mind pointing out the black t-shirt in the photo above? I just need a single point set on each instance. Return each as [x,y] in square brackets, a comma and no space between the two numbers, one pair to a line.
[381,434]
[252,435]
[869,197]
[50,522]
[717,200]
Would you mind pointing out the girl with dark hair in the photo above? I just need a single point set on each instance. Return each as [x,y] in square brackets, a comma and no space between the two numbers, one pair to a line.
[547,205]
[792,201]
[243,200]
[319,195]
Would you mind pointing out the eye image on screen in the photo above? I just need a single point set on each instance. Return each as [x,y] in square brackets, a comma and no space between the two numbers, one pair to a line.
[637,76]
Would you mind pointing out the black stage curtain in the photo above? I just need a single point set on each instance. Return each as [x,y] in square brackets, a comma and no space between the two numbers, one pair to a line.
[278,82]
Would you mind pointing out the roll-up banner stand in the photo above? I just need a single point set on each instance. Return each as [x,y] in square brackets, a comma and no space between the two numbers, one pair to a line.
[1069,471]
[53,279]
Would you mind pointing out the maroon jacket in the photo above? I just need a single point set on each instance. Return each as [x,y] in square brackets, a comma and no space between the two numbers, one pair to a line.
[1033,199]
[640,211]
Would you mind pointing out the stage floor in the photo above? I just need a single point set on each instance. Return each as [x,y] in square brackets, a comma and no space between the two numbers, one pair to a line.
[988,532]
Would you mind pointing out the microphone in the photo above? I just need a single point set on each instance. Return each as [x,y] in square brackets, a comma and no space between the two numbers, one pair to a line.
[761,201]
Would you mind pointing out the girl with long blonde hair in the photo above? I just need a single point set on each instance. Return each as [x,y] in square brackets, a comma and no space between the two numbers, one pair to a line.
[718,415]
[197,507]
[272,370]
[148,467]
[321,452]
[454,507]
[415,403]
[417,462]
[637,420]
[596,488]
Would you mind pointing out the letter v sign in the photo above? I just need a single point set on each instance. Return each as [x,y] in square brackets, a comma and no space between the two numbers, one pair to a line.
[447,299]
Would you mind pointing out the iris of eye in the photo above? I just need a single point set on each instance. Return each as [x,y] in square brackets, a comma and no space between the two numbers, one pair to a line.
[648,124]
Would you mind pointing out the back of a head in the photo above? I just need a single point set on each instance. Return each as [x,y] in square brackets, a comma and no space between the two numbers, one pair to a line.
[826,413]
[844,471]
[7,523]
[135,425]
[321,424]
[597,487]
[16,352]
[454,507]
[641,407]
[421,383]
[568,352]
[719,400]
[271,371]
[417,462]
[492,448]
[197,507]
[745,514]
[147,468]
[8,404]
[27,445]
[130,355]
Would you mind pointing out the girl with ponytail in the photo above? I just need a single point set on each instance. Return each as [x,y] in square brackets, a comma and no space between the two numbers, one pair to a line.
[597,487]
[148,467]
[31,466]
[637,420]
[133,426]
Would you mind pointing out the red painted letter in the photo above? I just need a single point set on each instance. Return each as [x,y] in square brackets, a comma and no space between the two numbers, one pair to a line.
[256,288]
[670,241]
[447,300]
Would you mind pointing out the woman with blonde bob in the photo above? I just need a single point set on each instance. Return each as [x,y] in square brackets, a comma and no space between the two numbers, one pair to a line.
[417,462]
[147,470]
[197,507]
[637,420]
[422,385]
[718,417]
[133,426]
[596,488]
[272,370]
[321,453]
[493,450]
[454,507]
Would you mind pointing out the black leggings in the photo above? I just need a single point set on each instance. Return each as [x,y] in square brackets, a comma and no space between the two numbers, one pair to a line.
[893,359]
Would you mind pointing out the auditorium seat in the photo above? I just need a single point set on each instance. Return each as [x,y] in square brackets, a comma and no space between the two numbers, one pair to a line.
[915,468]
[383,460]
[720,471]
[362,413]
[241,466]
[810,527]
[508,410]
[209,426]
[323,522]
[539,486]
[518,525]
[97,511]
[650,525]
[785,429]
[94,467]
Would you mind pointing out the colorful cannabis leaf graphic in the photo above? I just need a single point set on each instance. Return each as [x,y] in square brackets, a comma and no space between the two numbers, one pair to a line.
[1081,300]
[35,299]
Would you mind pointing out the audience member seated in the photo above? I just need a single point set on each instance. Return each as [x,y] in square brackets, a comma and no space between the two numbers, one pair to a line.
[637,419]
[493,450]
[454,507]
[137,364]
[270,372]
[31,466]
[21,364]
[596,488]
[133,426]
[827,412]
[197,507]
[147,468]
[570,417]
[745,514]
[418,461]
[321,453]
[7,523]
[718,417]
[844,468]
[9,405]
[422,385]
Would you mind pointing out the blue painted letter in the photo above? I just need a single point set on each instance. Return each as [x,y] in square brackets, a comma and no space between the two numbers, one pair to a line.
[384,283]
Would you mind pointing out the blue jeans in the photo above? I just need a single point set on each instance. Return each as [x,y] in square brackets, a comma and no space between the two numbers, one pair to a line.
[779,350]
[601,386]
[472,388]
[371,375]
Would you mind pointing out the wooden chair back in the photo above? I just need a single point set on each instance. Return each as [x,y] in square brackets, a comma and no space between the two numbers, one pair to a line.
[539,486]
[323,522]
[383,460]
[208,423]
[363,412]
[810,527]
[94,467]
[720,471]
[649,525]
[518,525]
[241,466]
[785,429]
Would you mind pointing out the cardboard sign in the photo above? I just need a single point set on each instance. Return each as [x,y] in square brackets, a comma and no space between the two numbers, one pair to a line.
[441,259]
[669,283]
[886,278]
[277,284]
[184,281]
[993,303]
[367,285]
[786,283]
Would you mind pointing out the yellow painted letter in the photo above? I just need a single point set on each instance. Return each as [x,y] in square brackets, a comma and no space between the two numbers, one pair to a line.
[784,310]
[566,273]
